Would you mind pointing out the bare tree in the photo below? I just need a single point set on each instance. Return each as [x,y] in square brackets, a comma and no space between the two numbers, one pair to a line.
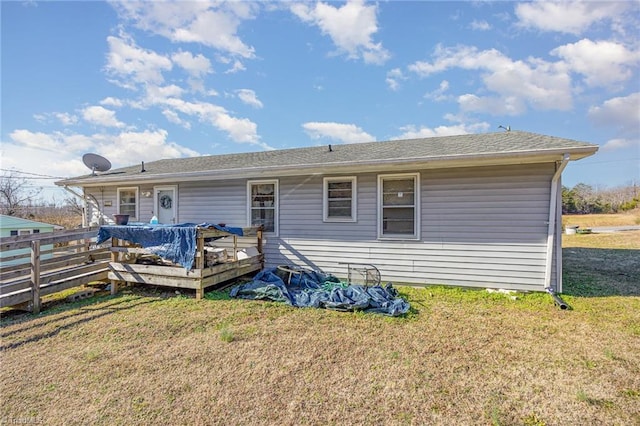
[16,194]
[73,205]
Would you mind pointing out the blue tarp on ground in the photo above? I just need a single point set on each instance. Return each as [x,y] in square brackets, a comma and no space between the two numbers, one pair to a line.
[176,243]
[317,290]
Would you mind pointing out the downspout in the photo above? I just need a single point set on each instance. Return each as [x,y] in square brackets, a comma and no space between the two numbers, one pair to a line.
[553,204]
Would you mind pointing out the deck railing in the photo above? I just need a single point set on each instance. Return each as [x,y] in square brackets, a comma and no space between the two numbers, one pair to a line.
[36,265]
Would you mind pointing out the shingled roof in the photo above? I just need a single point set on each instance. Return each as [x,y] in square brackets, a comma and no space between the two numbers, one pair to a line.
[427,150]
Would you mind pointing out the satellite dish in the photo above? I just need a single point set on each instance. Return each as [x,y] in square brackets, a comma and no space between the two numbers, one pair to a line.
[96,163]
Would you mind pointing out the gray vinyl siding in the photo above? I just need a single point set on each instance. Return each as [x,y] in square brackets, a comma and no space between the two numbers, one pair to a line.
[214,202]
[479,226]
[482,227]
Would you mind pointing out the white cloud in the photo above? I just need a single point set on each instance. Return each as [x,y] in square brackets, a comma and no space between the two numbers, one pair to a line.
[64,118]
[347,133]
[236,67]
[128,148]
[197,66]
[622,113]
[62,152]
[101,116]
[571,17]
[133,64]
[603,63]
[58,162]
[110,101]
[481,25]
[173,117]
[350,27]
[440,93]
[394,77]
[249,97]
[540,84]
[156,95]
[50,142]
[213,24]
[620,144]
[508,105]
[240,130]
[36,139]
[413,132]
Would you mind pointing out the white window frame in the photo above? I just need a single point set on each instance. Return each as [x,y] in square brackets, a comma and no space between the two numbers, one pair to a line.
[129,188]
[325,199]
[276,203]
[416,207]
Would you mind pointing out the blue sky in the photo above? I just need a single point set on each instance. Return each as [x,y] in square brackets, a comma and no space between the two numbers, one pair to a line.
[140,81]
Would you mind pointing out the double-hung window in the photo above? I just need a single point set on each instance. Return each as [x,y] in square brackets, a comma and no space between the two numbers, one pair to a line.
[263,204]
[339,201]
[398,206]
[128,202]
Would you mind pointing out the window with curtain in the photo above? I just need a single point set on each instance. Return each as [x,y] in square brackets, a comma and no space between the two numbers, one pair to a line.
[263,204]
[128,202]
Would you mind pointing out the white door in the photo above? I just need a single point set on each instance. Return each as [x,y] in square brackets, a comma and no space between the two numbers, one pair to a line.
[166,204]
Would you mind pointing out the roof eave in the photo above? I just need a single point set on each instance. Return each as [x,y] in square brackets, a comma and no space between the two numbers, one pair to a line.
[449,161]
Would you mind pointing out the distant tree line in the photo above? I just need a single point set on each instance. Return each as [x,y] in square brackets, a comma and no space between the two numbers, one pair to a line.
[584,199]
[20,198]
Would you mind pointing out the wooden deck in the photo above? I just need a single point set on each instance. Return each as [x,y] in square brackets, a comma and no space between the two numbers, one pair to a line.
[200,277]
[74,261]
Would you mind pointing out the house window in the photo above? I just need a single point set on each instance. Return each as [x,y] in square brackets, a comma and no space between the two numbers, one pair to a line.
[36,231]
[128,202]
[24,232]
[263,204]
[339,203]
[398,206]
[14,232]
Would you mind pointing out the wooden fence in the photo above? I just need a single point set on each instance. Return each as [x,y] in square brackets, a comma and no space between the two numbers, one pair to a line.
[72,260]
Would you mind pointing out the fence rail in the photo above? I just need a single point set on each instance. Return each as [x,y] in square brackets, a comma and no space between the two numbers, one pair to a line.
[72,259]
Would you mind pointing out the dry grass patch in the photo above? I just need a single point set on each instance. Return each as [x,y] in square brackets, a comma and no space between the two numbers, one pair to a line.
[459,357]
[611,219]
[615,240]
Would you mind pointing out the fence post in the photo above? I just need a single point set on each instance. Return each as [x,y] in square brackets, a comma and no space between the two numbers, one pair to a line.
[35,275]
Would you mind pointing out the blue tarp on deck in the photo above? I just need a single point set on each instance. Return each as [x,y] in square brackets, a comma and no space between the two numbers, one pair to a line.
[176,243]
[317,290]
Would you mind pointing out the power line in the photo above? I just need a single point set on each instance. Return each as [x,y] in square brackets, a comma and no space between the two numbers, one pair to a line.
[32,174]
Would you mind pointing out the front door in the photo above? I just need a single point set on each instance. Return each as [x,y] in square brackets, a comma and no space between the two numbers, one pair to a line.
[166,204]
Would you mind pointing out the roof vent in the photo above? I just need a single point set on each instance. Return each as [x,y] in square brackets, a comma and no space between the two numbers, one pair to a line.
[142,170]
[330,149]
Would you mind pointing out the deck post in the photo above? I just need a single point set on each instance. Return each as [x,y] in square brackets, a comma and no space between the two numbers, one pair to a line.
[259,240]
[35,275]
[200,251]
[259,246]
[114,259]
[235,247]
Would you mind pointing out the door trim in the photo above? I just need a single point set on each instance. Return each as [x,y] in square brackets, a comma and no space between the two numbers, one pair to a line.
[174,207]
